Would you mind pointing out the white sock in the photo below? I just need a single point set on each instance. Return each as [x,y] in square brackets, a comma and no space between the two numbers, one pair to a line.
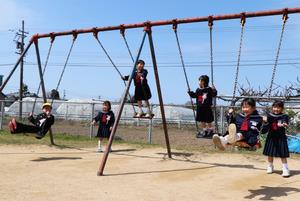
[224,140]
[285,166]
[99,144]
[239,136]
[270,164]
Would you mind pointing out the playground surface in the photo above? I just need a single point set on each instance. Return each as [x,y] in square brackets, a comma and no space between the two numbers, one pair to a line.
[41,172]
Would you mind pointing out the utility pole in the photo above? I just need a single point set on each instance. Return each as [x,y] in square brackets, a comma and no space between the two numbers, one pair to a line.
[19,40]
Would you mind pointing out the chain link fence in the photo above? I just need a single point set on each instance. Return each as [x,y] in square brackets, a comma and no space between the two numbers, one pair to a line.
[75,117]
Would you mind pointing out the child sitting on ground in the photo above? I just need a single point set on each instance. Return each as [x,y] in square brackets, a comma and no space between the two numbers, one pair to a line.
[243,127]
[42,123]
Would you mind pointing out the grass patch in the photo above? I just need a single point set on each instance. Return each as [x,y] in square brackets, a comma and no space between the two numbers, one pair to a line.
[63,141]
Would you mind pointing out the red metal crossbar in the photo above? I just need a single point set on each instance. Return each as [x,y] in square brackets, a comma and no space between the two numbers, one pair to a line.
[123,27]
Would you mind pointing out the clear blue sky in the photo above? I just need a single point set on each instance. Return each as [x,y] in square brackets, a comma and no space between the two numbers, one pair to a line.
[90,74]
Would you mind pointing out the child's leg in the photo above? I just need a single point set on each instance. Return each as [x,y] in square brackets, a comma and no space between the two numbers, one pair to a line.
[270,159]
[210,129]
[148,107]
[100,144]
[203,126]
[270,167]
[23,128]
[140,111]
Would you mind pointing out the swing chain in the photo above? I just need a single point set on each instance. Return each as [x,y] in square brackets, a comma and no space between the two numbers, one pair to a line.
[122,32]
[184,70]
[284,20]
[74,33]
[243,21]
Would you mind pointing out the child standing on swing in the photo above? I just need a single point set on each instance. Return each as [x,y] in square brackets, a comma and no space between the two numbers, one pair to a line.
[106,119]
[276,142]
[204,96]
[142,90]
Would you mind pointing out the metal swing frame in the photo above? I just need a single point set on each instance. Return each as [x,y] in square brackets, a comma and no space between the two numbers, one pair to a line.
[147,25]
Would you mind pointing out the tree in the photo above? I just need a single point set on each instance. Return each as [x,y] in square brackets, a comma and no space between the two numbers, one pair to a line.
[54,94]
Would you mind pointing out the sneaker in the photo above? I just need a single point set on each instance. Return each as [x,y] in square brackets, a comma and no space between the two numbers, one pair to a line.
[99,149]
[270,169]
[285,172]
[11,127]
[209,133]
[138,115]
[217,141]
[231,133]
[200,134]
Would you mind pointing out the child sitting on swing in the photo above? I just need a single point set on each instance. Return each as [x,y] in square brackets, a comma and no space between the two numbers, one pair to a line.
[243,127]
[42,123]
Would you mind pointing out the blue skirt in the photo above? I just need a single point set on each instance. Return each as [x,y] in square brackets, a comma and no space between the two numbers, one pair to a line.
[276,145]
[103,131]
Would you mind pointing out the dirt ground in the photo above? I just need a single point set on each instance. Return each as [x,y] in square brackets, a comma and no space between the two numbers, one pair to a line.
[40,172]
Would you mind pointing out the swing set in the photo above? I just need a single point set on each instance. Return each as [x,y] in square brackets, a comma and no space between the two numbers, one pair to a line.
[148,32]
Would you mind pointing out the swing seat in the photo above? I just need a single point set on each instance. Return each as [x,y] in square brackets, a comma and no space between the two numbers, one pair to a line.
[143,116]
[244,145]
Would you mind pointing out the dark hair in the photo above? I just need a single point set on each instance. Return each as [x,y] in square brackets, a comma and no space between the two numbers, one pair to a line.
[278,103]
[107,103]
[249,101]
[205,78]
[141,62]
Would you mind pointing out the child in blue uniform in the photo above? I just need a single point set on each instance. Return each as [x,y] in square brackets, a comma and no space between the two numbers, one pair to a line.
[243,127]
[204,95]
[106,119]
[41,123]
[142,90]
[276,142]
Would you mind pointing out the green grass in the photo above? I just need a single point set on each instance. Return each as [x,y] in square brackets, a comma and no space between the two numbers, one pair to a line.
[63,141]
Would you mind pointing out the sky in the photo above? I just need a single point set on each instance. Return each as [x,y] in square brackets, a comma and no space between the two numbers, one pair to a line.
[90,75]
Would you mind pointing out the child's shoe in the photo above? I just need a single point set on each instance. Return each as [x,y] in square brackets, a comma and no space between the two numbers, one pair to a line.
[200,134]
[217,141]
[209,133]
[138,115]
[231,133]
[99,149]
[285,172]
[270,169]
